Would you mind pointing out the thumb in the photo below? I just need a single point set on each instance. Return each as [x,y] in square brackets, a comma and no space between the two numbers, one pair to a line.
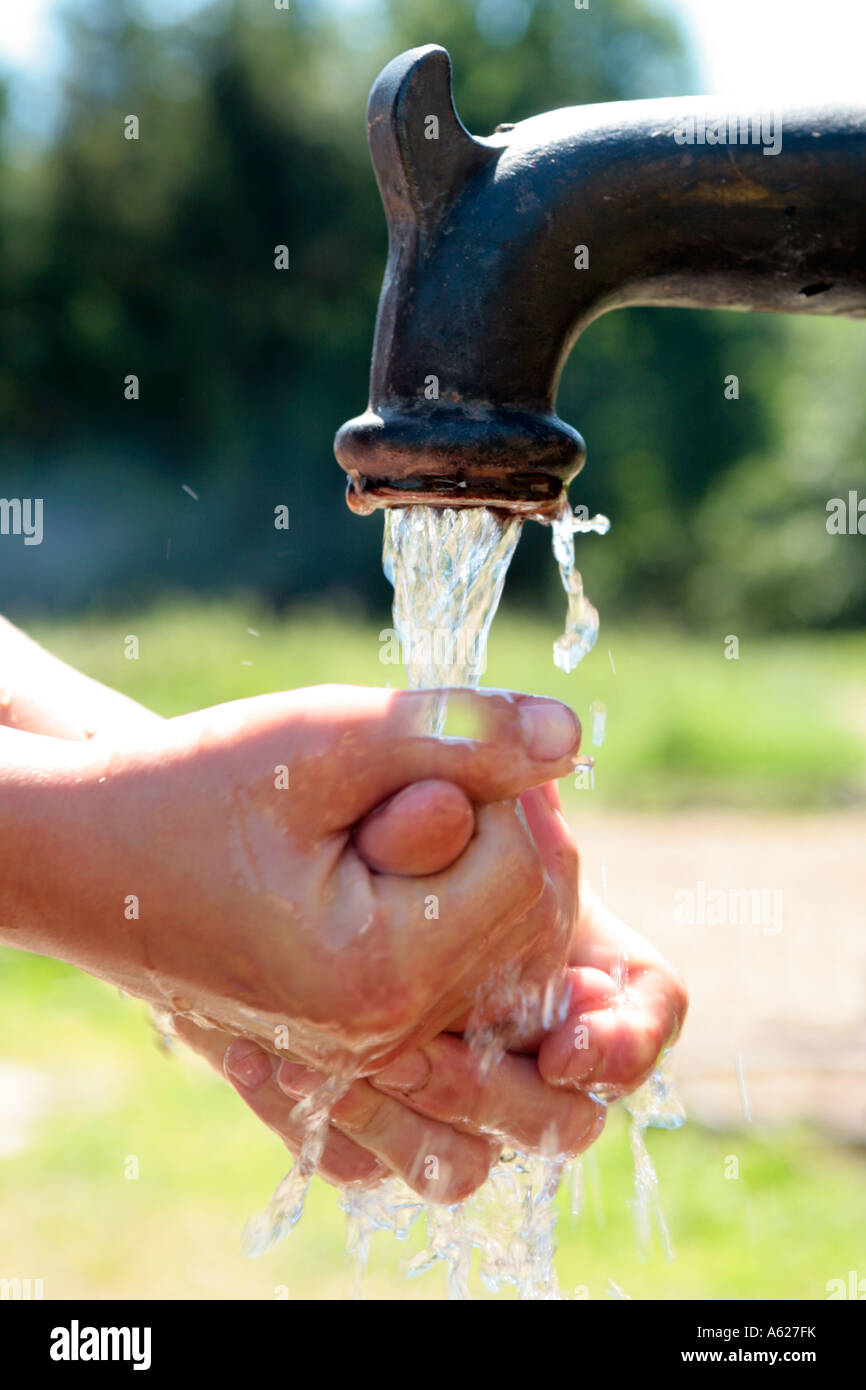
[362,745]
[421,830]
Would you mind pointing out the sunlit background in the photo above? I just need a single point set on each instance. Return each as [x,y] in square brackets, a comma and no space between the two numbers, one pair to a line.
[157,258]
[740,46]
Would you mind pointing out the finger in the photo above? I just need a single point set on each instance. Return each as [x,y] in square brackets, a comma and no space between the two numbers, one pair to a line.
[572,993]
[655,999]
[513,1101]
[366,744]
[249,1071]
[553,839]
[421,830]
[343,1163]
[616,1048]
[436,1161]
[551,793]
[614,1033]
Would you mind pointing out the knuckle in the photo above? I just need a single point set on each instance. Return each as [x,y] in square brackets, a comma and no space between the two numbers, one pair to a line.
[368,1115]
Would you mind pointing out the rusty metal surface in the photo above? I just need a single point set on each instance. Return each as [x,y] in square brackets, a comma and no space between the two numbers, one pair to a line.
[481,292]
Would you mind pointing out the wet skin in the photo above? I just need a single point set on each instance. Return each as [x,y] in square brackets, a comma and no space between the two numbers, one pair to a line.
[535,1100]
[305,908]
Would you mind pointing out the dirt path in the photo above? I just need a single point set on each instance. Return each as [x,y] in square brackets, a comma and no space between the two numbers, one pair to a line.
[766,917]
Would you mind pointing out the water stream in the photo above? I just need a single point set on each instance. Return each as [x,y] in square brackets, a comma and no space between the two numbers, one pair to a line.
[448,568]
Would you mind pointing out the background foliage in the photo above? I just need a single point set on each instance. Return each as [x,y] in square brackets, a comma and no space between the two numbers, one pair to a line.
[155,257]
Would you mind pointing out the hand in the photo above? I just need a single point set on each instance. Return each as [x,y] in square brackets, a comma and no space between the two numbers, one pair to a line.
[628,1025]
[422,829]
[231,831]
[626,1003]
[431,1101]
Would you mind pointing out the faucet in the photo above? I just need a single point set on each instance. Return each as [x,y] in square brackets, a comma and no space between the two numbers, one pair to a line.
[502,249]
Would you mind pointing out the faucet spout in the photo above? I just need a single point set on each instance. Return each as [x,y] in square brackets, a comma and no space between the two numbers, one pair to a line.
[502,249]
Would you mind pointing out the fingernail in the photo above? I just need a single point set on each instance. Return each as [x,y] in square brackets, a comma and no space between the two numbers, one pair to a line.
[550,730]
[298,1079]
[582,1062]
[248,1065]
[408,1073]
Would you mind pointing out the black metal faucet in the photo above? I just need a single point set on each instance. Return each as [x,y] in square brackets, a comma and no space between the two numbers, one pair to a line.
[503,249]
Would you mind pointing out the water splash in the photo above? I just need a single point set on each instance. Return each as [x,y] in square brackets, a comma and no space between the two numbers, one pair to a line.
[743,1089]
[448,568]
[577,1187]
[581,623]
[615,1292]
[528,1009]
[598,710]
[391,1206]
[268,1227]
[654,1105]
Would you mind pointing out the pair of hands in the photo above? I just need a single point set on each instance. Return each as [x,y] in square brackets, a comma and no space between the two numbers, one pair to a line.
[432,1099]
[319,887]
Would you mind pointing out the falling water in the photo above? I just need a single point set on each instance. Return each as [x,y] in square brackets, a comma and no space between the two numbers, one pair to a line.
[268,1227]
[656,1105]
[448,567]
[581,624]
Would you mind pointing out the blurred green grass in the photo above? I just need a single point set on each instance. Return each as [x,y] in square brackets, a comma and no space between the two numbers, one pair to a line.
[782,727]
[794,1218]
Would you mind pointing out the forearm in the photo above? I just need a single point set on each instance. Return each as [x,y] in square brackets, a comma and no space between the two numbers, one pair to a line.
[40,694]
[63,882]
[39,804]
[49,851]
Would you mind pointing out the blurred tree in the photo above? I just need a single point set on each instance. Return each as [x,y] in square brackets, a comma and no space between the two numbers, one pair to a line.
[763,541]
[155,257]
